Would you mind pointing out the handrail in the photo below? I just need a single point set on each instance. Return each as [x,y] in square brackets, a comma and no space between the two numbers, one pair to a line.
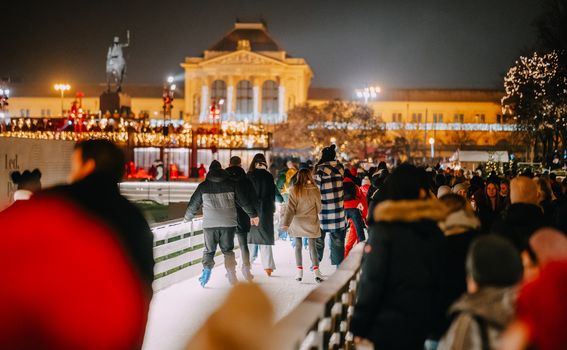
[322,319]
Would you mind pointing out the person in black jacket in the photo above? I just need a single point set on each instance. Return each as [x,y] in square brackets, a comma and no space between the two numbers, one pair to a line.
[219,197]
[262,236]
[239,176]
[96,168]
[400,292]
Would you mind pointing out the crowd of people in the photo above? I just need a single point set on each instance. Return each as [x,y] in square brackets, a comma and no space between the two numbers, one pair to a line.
[451,260]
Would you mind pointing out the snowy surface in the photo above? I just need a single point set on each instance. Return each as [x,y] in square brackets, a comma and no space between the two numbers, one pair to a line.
[178,311]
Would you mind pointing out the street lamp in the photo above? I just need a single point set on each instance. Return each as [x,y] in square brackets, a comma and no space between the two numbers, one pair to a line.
[368,93]
[432,143]
[62,88]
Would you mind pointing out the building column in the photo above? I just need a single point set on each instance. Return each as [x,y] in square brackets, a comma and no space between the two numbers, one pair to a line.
[204,103]
[281,103]
[229,101]
[255,100]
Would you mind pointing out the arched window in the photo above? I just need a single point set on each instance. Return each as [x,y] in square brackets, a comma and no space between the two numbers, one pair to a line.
[218,93]
[290,102]
[244,97]
[270,97]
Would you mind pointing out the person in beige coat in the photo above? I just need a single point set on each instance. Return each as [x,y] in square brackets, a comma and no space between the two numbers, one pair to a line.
[301,220]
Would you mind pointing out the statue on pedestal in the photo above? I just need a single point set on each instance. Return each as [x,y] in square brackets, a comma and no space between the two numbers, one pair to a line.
[115,101]
[115,63]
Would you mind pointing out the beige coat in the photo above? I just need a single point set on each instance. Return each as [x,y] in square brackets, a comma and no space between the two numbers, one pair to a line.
[302,214]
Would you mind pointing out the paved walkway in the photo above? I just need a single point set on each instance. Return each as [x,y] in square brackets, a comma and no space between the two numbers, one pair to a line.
[178,311]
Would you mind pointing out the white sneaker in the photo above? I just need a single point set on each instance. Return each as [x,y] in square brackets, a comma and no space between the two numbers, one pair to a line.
[317,275]
[299,275]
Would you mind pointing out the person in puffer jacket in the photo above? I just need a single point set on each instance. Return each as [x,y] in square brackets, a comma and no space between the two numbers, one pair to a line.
[355,210]
[219,197]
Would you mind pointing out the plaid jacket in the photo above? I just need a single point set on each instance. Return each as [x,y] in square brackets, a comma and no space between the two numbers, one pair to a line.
[329,177]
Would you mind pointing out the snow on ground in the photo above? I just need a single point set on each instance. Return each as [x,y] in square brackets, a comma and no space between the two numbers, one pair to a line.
[177,312]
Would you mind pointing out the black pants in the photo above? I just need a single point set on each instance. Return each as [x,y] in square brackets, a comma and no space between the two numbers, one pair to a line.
[224,237]
[356,217]
[337,245]
[244,251]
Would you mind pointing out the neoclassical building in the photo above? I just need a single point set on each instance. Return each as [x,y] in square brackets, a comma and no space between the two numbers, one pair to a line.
[247,75]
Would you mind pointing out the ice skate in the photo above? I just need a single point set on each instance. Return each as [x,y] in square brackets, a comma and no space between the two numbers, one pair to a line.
[299,274]
[269,272]
[231,275]
[205,276]
[247,273]
[317,275]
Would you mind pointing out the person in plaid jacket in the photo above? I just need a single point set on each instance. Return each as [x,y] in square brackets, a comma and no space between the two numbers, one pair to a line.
[329,175]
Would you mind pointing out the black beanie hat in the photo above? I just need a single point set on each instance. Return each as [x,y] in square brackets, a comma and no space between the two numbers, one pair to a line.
[493,261]
[215,165]
[329,154]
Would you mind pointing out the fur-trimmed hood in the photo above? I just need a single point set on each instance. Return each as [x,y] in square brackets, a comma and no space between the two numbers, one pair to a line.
[411,210]
[459,222]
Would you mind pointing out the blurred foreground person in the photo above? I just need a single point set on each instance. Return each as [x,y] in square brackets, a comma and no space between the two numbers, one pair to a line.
[243,322]
[541,320]
[70,283]
[301,220]
[97,166]
[219,196]
[494,269]
[27,182]
[400,292]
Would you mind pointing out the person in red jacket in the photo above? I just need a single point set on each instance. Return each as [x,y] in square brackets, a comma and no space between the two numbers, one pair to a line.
[68,282]
[356,209]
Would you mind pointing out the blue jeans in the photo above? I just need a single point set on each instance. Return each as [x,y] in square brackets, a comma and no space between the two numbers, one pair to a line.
[337,245]
[356,217]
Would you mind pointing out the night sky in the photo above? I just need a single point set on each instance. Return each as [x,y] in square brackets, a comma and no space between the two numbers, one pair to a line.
[348,43]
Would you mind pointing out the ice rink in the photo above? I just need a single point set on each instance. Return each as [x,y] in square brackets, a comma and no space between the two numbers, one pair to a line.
[179,310]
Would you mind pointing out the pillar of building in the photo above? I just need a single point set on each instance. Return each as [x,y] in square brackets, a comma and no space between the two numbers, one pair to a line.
[255,100]
[230,97]
[204,103]
[281,104]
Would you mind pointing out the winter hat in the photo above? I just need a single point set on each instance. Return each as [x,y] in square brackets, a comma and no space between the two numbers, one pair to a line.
[493,261]
[463,186]
[549,245]
[405,182]
[443,190]
[215,165]
[329,154]
[27,180]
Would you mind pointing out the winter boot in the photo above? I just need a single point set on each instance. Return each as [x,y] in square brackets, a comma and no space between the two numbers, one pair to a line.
[247,274]
[205,276]
[317,274]
[269,272]
[231,275]
[299,274]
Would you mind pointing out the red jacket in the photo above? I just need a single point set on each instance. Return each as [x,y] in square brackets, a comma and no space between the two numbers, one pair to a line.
[360,198]
[68,283]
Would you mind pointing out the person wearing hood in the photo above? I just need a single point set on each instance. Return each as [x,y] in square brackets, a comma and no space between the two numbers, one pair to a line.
[399,301]
[262,236]
[494,269]
[219,196]
[329,177]
[238,175]
[27,182]
[460,227]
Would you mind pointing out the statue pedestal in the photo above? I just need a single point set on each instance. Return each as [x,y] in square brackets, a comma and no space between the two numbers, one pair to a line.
[115,102]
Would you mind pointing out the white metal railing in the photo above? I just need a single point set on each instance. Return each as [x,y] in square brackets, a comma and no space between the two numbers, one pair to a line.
[159,191]
[322,320]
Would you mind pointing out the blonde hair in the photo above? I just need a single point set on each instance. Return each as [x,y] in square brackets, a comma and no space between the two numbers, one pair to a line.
[304,179]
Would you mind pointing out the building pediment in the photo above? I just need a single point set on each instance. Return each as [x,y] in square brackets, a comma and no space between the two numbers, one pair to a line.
[242,57]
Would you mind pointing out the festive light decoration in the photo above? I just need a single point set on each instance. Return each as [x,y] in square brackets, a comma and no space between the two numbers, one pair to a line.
[233,135]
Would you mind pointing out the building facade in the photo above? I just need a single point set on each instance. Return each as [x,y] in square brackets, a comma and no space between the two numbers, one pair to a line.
[248,76]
